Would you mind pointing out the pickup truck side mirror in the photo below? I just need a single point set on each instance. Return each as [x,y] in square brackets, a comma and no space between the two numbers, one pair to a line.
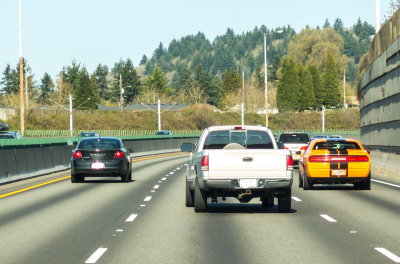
[280,145]
[187,147]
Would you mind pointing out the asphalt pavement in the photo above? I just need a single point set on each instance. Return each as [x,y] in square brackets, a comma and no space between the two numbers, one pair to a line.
[146,221]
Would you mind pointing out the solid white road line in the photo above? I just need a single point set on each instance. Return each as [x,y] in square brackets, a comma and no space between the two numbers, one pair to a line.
[131,218]
[328,218]
[388,254]
[386,183]
[296,199]
[148,198]
[96,255]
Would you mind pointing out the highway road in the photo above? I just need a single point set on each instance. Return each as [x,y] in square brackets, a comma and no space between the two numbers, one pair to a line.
[51,220]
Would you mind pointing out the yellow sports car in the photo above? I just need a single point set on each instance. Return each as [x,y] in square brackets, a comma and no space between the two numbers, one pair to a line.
[335,160]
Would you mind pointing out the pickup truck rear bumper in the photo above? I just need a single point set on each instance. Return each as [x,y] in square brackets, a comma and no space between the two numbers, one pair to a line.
[232,185]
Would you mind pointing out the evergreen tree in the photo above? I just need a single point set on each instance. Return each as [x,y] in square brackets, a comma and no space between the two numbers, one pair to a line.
[158,82]
[338,25]
[274,69]
[10,81]
[231,84]
[259,78]
[317,86]
[46,89]
[330,83]
[159,52]
[84,96]
[326,24]
[287,95]
[131,82]
[183,79]
[351,72]
[100,81]
[143,60]
[209,87]
[70,73]
[307,98]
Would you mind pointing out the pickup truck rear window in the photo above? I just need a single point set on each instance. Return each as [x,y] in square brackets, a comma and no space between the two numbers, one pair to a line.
[252,139]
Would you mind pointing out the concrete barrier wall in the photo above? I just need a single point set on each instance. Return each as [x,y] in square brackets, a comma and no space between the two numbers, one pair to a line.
[379,94]
[379,91]
[22,163]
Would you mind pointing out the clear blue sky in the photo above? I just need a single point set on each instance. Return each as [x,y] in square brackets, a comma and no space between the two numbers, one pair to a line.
[55,32]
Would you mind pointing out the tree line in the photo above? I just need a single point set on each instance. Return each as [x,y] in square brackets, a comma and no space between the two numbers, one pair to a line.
[194,70]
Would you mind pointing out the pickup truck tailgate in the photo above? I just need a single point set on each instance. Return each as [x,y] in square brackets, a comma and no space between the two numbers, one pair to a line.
[227,164]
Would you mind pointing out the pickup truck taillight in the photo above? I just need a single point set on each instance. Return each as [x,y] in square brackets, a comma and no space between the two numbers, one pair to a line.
[204,163]
[289,162]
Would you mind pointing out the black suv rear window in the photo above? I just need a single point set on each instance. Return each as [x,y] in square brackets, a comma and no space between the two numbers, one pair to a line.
[294,138]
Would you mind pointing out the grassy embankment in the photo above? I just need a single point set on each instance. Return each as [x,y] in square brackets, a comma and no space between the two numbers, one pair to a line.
[195,117]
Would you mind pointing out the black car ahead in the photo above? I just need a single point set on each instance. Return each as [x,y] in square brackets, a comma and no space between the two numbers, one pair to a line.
[101,157]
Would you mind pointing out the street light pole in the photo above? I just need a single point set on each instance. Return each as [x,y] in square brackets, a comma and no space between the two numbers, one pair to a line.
[21,77]
[71,129]
[266,80]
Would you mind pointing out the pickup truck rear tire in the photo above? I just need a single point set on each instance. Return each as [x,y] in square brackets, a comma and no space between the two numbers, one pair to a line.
[189,196]
[200,199]
[300,181]
[285,202]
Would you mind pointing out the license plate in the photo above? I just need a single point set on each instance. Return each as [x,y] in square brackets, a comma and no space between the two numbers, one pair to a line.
[338,172]
[97,165]
[248,183]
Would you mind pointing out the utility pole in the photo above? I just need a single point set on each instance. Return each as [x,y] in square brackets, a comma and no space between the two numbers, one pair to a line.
[21,78]
[159,115]
[121,99]
[243,99]
[26,86]
[70,116]
[266,80]
[344,89]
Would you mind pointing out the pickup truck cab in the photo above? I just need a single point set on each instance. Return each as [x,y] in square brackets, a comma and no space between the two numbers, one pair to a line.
[238,161]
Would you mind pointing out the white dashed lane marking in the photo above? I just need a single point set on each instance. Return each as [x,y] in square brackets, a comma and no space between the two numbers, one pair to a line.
[163,179]
[131,218]
[156,186]
[148,198]
[96,255]
[328,218]
[296,199]
[388,254]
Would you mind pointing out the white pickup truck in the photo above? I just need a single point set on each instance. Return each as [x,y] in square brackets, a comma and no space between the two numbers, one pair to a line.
[238,161]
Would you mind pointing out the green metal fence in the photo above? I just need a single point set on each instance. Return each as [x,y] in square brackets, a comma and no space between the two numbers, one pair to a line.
[106,133]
